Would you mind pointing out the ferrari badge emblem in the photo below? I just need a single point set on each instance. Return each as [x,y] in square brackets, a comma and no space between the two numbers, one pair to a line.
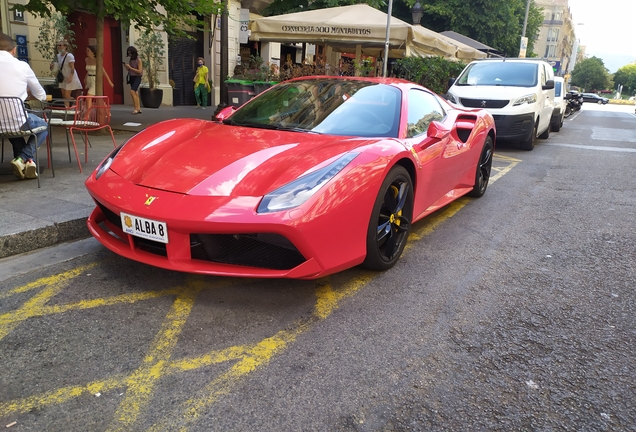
[150,200]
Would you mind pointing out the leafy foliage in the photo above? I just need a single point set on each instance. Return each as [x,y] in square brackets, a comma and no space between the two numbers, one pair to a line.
[279,7]
[626,76]
[496,23]
[431,72]
[591,74]
[142,13]
[151,51]
[53,30]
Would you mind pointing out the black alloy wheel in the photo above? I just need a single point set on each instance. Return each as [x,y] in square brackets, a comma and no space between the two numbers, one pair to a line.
[390,221]
[482,176]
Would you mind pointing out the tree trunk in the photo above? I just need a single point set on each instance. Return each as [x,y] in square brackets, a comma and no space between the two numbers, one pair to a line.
[99,61]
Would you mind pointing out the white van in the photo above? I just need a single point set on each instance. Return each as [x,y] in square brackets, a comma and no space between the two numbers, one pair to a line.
[519,93]
[559,104]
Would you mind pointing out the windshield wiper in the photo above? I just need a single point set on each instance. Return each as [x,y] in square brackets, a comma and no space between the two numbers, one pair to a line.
[269,126]
[231,122]
[284,128]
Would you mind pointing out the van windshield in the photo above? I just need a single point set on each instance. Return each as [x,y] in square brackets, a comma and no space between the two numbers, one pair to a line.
[500,73]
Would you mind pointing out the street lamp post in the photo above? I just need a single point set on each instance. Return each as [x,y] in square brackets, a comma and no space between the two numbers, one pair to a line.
[386,38]
[417,13]
[523,44]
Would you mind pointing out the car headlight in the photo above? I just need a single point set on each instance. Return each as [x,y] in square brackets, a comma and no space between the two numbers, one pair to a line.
[451,98]
[527,99]
[103,167]
[300,190]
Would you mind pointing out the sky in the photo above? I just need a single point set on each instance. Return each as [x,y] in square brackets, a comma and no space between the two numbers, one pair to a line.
[607,28]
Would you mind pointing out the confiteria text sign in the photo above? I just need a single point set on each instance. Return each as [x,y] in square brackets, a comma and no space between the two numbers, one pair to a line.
[325,29]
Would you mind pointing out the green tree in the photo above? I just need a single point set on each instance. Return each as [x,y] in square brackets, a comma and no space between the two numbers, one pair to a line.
[496,23]
[53,30]
[626,76]
[169,15]
[591,74]
[280,7]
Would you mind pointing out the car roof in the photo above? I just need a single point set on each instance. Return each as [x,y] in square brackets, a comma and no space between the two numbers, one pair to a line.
[505,59]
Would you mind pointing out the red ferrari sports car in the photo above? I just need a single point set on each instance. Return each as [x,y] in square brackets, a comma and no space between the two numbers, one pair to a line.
[313,176]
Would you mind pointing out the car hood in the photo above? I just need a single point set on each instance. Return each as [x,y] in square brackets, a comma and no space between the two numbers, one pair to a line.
[198,157]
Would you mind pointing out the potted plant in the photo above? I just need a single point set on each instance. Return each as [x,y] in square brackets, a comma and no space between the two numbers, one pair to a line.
[151,51]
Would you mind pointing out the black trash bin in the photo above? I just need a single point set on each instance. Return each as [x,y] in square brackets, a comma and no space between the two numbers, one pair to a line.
[239,92]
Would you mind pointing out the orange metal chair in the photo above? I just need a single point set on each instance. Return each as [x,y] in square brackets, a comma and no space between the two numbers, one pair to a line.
[91,113]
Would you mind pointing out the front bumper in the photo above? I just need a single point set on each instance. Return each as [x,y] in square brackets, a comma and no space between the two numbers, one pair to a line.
[224,236]
[514,127]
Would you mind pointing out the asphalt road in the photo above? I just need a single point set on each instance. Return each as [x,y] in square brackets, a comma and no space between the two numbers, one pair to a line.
[515,311]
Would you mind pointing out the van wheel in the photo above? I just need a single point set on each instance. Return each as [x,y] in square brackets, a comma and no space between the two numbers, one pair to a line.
[545,134]
[529,143]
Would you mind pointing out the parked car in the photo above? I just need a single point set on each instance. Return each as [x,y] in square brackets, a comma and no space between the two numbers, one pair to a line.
[519,93]
[313,176]
[594,98]
[560,104]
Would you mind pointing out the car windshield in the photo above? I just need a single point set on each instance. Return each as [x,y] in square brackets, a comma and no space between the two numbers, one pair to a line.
[500,73]
[326,106]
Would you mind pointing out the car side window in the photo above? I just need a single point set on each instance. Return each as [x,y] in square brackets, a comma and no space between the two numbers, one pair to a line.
[423,108]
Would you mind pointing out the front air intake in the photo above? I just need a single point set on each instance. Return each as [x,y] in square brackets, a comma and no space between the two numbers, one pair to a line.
[264,250]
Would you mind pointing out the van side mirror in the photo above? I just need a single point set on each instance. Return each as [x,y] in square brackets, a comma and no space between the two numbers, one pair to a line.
[549,85]
[451,81]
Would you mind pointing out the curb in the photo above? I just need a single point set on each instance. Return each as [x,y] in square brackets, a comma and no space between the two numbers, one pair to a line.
[14,244]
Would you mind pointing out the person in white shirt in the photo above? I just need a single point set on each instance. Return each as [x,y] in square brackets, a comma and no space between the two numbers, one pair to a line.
[18,80]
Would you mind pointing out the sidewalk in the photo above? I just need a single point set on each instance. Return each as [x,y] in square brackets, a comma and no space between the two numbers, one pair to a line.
[32,218]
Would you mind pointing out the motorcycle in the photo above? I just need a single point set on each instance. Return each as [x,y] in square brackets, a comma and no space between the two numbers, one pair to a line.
[574,101]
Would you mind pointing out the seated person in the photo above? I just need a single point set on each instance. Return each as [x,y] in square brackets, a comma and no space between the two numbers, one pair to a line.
[18,80]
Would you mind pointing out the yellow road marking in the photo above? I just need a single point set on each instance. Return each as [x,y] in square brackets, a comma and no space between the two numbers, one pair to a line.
[53,285]
[50,280]
[506,158]
[327,300]
[141,382]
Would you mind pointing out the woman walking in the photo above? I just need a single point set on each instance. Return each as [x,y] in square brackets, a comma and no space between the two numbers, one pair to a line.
[135,71]
[91,71]
[201,84]
[66,65]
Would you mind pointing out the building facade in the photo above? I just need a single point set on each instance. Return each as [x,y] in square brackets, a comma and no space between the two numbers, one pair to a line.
[179,62]
[556,39]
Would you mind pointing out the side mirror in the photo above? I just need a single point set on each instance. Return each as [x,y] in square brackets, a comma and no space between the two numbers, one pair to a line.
[224,113]
[437,130]
[451,81]
[549,85]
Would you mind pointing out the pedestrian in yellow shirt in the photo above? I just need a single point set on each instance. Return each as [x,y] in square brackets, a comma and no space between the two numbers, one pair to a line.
[201,84]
